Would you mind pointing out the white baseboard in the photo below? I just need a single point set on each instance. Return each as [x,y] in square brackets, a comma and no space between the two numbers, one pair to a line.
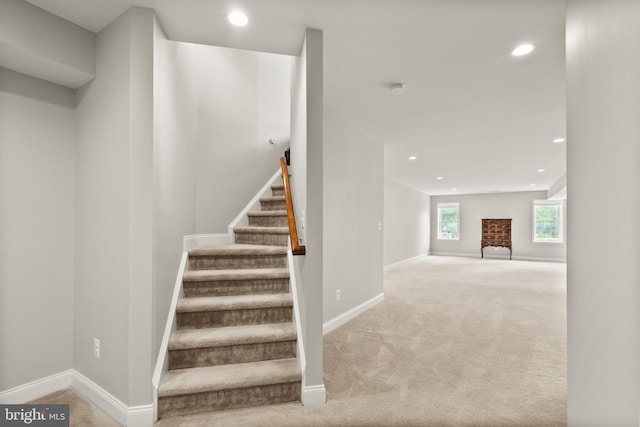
[538,259]
[404,261]
[351,314]
[293,285]
[254,204]
[491,256]
[195,240]
[36,389]
[314,395]
[459,254]
[130,416]
[162,362]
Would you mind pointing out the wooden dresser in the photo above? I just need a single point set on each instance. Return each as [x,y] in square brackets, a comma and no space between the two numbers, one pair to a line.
[496,232]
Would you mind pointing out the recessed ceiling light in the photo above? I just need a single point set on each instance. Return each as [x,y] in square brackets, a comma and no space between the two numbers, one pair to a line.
[238,19]
[523,49]
[558,140]
[454,189]
[541,170]
[439,178]
[533,185]
[412,157]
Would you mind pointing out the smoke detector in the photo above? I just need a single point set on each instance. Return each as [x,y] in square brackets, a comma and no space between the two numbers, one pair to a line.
[397,88]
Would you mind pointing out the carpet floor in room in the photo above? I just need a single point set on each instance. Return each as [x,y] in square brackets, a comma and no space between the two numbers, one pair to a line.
[456,342]
[81,411]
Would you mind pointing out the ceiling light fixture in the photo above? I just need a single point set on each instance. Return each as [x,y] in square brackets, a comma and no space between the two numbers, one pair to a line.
[412,157]
[533,185]
[439,178]
[397,88]
[558,140]
[454,189]
[541,170]
[238,19]
[523,49]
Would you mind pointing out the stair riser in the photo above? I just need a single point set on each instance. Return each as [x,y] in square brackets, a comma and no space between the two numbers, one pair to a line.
[277,191]
[172,406]
[215,319]
[268,221]
[273,205]
[237,262]
[191,358]
[262,239]
[221,288]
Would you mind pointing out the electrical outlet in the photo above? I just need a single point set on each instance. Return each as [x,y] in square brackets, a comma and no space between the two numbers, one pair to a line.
[379,225]
[96,348]
[337,294]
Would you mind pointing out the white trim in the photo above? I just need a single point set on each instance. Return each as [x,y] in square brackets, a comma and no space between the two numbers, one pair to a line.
[538,259]
[162,362]
[302,360]
[189,242]
[489,256]
[35,389]
[314,395]
[194,240]
[253,205]
[462,254]
[130,416]
[442,205]
[557,203]
[351,314]
[404,261]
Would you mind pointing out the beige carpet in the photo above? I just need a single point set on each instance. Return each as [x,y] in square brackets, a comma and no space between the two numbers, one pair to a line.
[82,413]
[456,342]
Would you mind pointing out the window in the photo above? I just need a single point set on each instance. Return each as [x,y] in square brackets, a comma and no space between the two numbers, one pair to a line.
[448,221]
[547,221]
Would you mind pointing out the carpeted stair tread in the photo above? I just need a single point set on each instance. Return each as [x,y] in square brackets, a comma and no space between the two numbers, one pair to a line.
[232,249]
[277,186]
[272,199]
[236,274]
[262,230]
[222,377]
[235,302]
[267,213]
[232,335]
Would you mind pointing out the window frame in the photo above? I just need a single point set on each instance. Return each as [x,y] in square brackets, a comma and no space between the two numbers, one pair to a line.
[558,203]
[448,205]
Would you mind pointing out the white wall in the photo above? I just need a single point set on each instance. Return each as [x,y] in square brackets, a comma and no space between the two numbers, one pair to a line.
[407,224]
[243,100]
[175,130]
[126,190]
[41,44]
[298,155]
[517,206]
[114,188]
[298,171]
[102,215]
[307,182]
[603,106]
[37,155]
[354,206]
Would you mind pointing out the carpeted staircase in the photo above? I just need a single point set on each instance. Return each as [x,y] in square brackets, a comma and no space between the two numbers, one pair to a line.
[235,344]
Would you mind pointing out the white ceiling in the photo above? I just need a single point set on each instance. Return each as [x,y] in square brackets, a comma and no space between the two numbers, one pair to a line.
[471,113]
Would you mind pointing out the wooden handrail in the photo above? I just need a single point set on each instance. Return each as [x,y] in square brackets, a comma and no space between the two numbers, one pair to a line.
[296,249]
